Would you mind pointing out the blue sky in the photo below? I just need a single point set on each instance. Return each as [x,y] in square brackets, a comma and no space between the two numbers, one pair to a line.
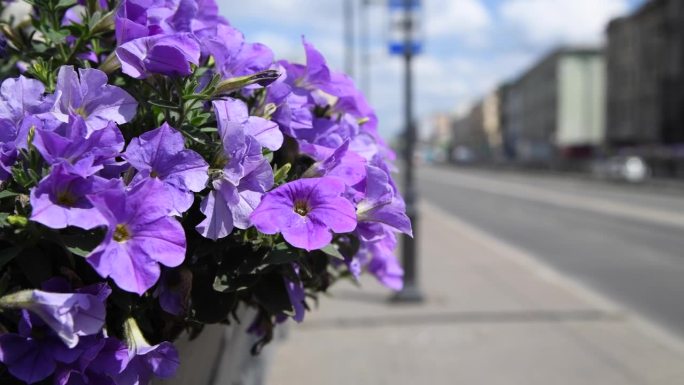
[471,46]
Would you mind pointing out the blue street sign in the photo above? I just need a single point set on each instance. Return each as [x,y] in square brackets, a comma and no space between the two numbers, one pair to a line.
[398,27]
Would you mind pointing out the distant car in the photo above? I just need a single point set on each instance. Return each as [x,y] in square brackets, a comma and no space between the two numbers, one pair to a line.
[462,154]
[631,169]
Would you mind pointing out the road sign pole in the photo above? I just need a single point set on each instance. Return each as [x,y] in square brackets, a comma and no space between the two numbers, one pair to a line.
[411,291]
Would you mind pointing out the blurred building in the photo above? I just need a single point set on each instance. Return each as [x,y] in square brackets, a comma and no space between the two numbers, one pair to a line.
[645,59]
[440,137]
[492,126]
[468,137]
[555,111]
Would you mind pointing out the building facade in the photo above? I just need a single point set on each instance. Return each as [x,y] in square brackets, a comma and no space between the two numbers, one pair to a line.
[645,59]
[555,110]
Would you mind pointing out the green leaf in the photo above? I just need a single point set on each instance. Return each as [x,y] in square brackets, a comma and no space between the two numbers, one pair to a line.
[271,293]
[163,104]
[81,243]
[36,264]
[57,37]
[63,4]
[8,254]
[332,251]
[281,174]
[7,193]
[281,254]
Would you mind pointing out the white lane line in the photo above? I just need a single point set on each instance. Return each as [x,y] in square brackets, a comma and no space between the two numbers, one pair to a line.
[565,200]
[537,266]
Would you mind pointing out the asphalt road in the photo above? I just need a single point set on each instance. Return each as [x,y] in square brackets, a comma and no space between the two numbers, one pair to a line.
[624,242]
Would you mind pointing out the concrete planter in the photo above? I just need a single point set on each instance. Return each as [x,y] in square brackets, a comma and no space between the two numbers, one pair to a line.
[221,356]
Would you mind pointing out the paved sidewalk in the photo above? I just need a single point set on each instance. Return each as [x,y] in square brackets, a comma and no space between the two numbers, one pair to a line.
[493,315]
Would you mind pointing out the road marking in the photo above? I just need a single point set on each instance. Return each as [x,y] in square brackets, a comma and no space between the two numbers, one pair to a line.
[560,199]
[548,273]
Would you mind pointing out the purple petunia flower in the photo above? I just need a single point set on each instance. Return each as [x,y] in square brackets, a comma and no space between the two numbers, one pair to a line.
[306,212]
[87,94]
[246,175]
[145,361]
[20,99]
[169,55]
[382,262]
[32,354]
[3,46]
[234,57]
[61,199]
[234,112]
[101,359]
[382,203]
[297,296]
[140,235]
[69,315]
[229,206]
[340,162]
[161,154]
[81,153]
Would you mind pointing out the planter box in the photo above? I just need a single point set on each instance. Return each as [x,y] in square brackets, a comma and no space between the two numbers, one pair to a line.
[221,356]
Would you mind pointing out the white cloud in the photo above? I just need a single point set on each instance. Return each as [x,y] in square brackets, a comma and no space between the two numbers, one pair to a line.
[467,20]
[296,13]
[561,21]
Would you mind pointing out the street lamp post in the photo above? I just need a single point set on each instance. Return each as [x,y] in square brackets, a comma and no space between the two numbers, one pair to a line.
[411,291]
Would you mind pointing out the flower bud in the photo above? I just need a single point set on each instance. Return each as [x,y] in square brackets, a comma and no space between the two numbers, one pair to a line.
[263,78]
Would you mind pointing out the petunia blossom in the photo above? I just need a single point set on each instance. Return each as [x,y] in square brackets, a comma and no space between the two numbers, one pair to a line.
[234,57]
[146,361]
[307,212]
[81,152]
[234,112]
[140,236]
[382,262]
[161,154]
[169,55]
[33,353]
[70,315]
[382,203]
[246,174]
[339,162]
[87,94]
[101,359]
[20,100]
[61,199]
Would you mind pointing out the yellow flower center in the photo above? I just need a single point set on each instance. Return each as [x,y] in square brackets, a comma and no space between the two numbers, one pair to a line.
[66,198]
[81,111]
[301,207]
[121,233]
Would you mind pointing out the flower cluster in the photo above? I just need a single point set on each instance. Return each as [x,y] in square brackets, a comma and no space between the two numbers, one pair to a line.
[156,170]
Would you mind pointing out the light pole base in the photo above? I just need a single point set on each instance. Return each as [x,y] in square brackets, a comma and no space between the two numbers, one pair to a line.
[409,294]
